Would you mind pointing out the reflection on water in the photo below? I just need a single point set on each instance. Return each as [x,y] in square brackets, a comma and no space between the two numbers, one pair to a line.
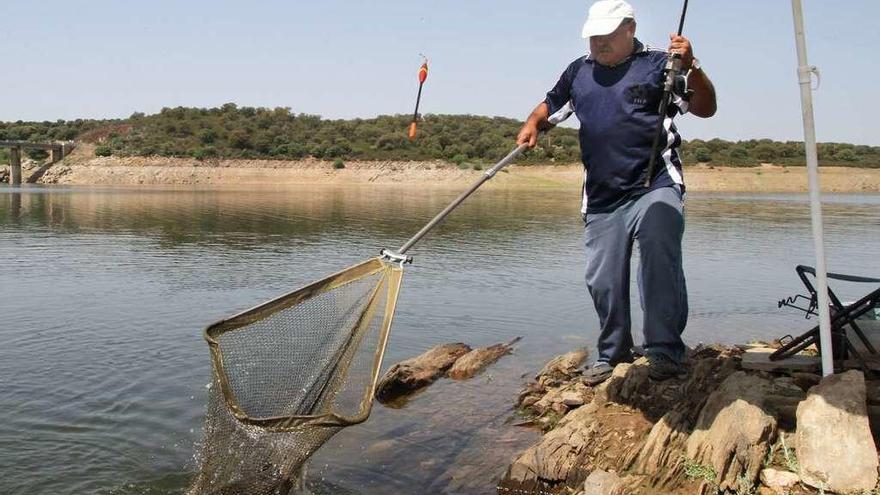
[105,293]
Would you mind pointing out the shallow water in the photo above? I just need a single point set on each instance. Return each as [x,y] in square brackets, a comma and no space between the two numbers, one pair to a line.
[104,293]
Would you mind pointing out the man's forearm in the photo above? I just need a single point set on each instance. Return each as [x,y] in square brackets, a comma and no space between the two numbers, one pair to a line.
[702,102]
[539,116]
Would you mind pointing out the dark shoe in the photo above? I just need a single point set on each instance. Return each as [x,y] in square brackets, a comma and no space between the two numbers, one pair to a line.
[597,373]
[662,367]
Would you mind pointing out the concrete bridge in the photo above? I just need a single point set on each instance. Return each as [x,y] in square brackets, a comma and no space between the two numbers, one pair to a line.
[58,150]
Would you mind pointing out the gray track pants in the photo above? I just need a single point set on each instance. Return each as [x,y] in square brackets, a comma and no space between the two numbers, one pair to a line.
[656,221]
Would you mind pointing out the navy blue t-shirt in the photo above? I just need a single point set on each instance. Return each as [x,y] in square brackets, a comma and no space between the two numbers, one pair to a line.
[618,108]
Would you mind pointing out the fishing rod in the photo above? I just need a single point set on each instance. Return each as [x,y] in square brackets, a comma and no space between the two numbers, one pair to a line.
[673,65]
[423,75]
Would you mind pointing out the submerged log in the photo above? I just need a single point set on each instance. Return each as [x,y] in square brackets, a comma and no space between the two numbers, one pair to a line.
[408,376]
[476,360]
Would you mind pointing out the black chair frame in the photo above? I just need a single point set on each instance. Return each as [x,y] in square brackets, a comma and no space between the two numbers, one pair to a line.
[843,317]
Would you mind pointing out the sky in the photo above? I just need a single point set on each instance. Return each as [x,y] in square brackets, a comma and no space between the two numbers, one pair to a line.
[346,59]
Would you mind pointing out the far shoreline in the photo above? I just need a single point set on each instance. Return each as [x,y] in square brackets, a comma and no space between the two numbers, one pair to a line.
[83,168]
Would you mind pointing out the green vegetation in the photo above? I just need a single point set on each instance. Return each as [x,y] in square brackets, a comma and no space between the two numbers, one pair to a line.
[466,140]
[791,461]
[744,485]
[695,471]
[37,154]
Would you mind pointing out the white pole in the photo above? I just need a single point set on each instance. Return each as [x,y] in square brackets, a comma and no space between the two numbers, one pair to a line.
[804,78]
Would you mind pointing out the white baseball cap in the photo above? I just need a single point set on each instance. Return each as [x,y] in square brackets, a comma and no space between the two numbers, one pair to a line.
[605,16]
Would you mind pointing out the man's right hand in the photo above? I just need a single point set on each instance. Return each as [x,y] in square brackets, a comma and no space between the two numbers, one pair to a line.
[528,134]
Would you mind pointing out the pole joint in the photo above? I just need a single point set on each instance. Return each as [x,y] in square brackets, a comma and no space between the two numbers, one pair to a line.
[394,257]
[806,73]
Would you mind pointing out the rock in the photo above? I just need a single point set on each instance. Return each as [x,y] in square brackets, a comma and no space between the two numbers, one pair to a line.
[474,361]
[733,432]
[660,457]
[872,392]
[588,438]
[780,482]
[570,396]
[625,381]
[546,402]
[531,394]
[410,375]
[559,408]
[601,482]
[562,367]
[835,449]
[572,399]
[529,401]
[806,380]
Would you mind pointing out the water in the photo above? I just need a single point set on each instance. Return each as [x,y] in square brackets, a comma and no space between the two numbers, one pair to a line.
[104,293]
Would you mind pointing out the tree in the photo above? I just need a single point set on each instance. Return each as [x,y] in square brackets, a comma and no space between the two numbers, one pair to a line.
[240,139]
[846,155]
[37,154]
[703,155]
[765,152]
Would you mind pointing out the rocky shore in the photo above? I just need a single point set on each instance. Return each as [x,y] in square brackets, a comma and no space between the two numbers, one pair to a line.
[719,428]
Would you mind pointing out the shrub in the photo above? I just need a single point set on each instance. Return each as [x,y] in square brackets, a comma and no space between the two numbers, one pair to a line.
[206,152]
[103,150]
[703,154]
[207,136]
[338,164]
[37,154]
[240,139]
[765,152]
[846,155]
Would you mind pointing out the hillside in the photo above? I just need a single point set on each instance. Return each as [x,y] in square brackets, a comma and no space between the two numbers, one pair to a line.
[234,132]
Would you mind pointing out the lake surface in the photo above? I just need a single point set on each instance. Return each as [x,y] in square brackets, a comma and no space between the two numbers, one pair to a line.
[104,294]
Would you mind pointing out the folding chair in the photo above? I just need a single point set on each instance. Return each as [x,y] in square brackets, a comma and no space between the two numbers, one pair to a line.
[843,318]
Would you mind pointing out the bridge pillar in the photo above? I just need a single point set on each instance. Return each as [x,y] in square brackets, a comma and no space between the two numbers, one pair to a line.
[57,154]
[15,166]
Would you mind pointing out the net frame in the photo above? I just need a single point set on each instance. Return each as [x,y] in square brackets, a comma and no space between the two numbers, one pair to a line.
[391,275]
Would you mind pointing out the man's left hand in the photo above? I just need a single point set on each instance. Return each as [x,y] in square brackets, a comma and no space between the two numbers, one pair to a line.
[682,46]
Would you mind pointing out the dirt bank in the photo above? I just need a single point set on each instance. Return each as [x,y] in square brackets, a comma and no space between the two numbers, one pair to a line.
[83,168]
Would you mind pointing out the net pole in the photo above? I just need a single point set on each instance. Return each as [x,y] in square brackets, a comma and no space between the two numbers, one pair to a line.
[446,211]
[805,80]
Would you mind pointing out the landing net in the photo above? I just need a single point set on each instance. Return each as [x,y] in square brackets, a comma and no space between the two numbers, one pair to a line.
[289,374]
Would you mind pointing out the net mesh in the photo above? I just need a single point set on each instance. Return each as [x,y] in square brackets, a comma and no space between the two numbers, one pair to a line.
[289,374]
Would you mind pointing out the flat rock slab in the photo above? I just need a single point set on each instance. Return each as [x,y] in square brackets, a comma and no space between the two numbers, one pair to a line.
[758,359]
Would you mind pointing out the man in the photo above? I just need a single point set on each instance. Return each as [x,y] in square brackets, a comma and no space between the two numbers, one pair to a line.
[615,93]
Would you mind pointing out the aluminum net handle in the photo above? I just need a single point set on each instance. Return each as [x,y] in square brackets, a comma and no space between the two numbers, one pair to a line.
[446,211]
